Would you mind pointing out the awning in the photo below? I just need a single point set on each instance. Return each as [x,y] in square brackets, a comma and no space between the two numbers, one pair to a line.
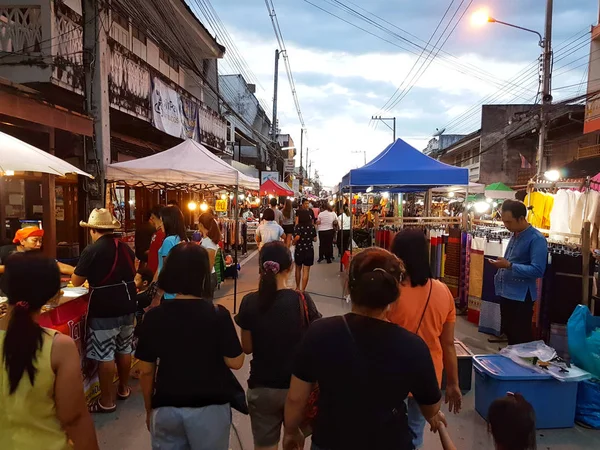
[187,163]
[19,156]
[405,168]
[499,191]
[272,187]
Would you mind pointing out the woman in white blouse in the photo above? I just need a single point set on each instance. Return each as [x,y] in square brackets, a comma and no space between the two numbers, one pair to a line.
[345,223]
[211,236]
[325,226]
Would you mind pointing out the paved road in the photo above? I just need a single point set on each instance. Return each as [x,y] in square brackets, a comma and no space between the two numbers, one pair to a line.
[126,429]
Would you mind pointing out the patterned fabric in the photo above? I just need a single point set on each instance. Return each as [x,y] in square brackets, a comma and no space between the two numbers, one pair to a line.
[107,336]
[452,265]
[476,279]
[465,270]
[220,266]
[490,316]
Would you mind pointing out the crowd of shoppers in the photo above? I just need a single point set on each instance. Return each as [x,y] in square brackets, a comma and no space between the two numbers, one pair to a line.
[376,371]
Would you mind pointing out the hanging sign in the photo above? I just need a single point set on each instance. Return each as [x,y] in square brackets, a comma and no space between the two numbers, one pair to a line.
[166,109]
[289,165]
[221,205]
[296,185]
[189,113]
[265,176]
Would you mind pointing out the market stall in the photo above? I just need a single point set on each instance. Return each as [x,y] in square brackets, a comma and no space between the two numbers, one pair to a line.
[66,313]
[192,166]
[276,189]
[401,168]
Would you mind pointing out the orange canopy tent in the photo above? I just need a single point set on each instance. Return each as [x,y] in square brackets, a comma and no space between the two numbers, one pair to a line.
[272,187]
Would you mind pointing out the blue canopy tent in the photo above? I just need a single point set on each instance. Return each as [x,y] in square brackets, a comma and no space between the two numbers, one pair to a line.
[403,168]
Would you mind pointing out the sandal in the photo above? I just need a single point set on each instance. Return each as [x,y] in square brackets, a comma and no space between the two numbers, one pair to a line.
[124,396]
[97,408]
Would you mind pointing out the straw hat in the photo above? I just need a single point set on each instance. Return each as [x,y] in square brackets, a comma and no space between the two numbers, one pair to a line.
[101,219]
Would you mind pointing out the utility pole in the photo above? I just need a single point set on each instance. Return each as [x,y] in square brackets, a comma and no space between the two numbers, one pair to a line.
[307,165]
[301,151]
[274,124]
[546,87]
[385,120]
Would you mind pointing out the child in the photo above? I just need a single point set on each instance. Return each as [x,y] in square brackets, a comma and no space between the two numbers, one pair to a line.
[143,279]
[511,421]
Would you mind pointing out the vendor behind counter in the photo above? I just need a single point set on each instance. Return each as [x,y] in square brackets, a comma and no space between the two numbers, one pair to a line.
[28,239]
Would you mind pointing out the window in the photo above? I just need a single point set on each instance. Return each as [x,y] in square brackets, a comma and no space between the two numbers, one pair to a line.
[121,20]
[138,34]
[168,59]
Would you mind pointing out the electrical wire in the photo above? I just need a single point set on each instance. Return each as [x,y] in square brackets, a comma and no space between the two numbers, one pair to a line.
[383,108]
[284,52]
[455,64]
[428,60]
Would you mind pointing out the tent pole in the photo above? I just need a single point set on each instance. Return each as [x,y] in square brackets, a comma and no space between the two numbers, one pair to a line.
[235,243]
[342,232]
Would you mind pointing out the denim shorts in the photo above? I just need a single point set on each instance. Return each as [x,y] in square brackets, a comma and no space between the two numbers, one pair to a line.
[416,421]
[205,428]
[109,335]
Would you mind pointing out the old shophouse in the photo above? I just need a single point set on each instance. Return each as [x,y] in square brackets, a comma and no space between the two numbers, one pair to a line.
[95,82]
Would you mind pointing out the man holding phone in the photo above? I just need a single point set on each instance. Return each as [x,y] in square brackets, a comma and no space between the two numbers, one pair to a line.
[525,261]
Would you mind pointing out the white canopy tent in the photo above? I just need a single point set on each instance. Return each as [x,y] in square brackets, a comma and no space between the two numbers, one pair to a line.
[19,156]
[473,188]
[187,163]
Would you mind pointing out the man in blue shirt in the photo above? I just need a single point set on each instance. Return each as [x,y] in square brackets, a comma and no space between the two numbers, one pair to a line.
[525,261]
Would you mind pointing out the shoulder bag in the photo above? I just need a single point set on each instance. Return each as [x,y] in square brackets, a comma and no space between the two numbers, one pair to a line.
[311,407]
[426,305]
[238,395]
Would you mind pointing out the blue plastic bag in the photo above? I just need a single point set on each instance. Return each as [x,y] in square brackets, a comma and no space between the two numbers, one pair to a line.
[583,332]
[588,403]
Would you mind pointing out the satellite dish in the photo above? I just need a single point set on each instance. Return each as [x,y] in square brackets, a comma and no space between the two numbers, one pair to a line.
[438,132]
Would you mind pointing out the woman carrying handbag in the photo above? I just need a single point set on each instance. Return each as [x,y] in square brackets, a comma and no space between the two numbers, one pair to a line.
[426,307]
[273,322]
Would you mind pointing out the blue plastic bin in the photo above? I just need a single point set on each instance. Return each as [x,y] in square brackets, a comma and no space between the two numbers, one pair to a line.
[554,402]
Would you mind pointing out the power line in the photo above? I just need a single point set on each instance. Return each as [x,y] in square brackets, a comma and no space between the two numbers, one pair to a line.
[455,64]
[284,52]
[420,56]
[428,60]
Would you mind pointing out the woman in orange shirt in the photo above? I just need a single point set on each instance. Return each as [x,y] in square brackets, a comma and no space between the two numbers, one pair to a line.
[426,307]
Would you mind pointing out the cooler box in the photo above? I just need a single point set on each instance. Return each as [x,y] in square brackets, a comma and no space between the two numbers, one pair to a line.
[465,367]
[554,402]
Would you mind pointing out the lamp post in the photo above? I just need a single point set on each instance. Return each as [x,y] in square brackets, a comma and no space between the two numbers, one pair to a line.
[481,17]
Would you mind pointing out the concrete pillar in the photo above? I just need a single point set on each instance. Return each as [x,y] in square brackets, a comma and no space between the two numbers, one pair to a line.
[97,66]
[49,205]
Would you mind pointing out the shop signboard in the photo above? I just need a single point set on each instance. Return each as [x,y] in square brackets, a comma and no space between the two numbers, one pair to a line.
[221,205]
[166,109]
[189,113]
[289,165]
[296,185]
[265,176]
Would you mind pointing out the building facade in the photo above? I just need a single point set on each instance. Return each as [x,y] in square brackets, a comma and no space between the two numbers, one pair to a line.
[504,149]
[99,82]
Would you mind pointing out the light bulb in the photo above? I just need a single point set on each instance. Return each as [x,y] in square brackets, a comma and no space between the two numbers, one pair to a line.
[552,175]
[451,194]
[9,173]
[192,206]
[480,18]
[204,207]
[223,196]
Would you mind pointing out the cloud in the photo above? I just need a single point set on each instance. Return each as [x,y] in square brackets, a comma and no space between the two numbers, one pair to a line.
[344,76]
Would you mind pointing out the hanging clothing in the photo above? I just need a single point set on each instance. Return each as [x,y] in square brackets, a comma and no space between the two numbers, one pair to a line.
[540,208]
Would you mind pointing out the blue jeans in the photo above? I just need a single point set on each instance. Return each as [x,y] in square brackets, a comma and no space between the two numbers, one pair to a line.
[204,428]
[416,421]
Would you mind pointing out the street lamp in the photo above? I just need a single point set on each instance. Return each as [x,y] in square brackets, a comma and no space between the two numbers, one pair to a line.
[482,17]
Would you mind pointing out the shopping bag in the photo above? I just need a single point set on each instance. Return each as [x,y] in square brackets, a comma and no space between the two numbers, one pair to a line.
[583,334]
[588,403]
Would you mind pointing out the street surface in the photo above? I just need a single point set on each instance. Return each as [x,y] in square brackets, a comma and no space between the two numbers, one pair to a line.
[126,429]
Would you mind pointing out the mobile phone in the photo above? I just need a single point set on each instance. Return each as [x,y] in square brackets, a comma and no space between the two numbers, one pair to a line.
[492,260]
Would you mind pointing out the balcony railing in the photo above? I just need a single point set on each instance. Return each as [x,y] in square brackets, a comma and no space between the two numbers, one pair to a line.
[21,29]
[50,50]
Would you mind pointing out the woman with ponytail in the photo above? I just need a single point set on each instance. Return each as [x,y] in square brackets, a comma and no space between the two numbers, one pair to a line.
[211,236]
[273,322]
[41,387]
[365,368]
